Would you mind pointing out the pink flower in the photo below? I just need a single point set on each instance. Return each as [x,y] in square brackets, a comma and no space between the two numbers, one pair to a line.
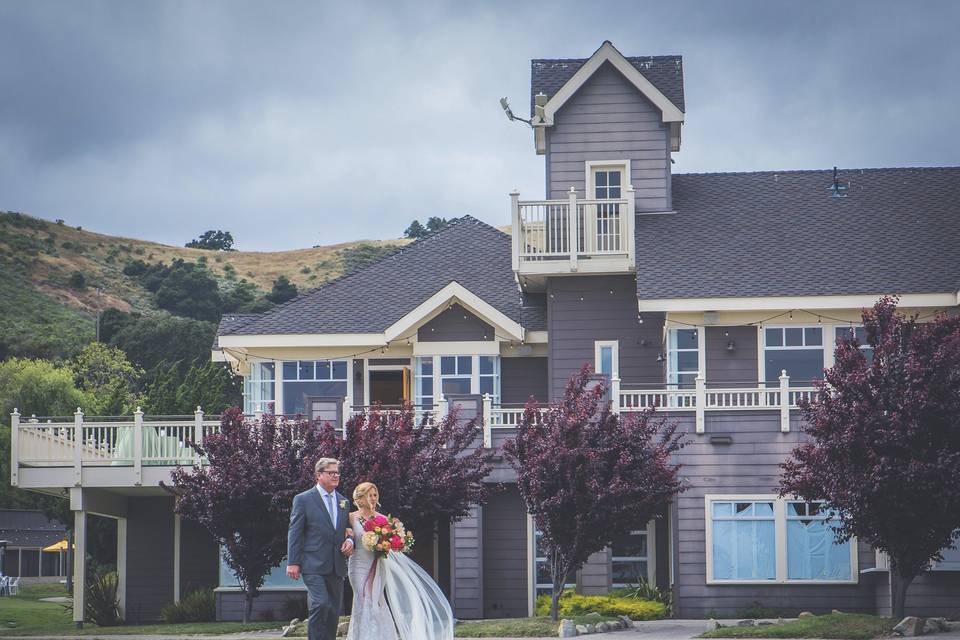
[396,543]
[380,521]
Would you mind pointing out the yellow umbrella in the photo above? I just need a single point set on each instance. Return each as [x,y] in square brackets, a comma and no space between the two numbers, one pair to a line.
[57,546]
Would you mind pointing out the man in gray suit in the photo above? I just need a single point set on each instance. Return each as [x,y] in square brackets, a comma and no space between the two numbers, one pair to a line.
[317,547]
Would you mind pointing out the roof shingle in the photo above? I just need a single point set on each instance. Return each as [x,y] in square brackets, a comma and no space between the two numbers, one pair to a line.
[664,72]
[783,234]
[369,300]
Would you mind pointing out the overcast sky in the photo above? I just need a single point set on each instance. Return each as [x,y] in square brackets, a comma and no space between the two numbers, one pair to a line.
[299,123]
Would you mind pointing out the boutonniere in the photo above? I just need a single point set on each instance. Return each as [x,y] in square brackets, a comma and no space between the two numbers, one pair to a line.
[343,504]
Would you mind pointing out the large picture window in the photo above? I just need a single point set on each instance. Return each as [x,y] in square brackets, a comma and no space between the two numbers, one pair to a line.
[764,539]
[798,350]
[812,553]
[305,379]
[744,541]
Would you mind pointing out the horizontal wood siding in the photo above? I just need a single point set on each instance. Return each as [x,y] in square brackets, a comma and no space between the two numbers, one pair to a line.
[934,594]
[149,557]
[271,604]
[521,378]
[609,119]
[750,465]
[455,324]
[582,310]
[467,562]
[505,561]
[593,579]
[199,558]
[731,368]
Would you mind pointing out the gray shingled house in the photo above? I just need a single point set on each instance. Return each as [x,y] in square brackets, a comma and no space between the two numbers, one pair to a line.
[717,297]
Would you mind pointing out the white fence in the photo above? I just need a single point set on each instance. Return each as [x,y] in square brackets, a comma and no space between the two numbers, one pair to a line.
[166,441]
[561,232]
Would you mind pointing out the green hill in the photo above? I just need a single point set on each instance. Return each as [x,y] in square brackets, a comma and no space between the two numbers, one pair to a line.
[55,278]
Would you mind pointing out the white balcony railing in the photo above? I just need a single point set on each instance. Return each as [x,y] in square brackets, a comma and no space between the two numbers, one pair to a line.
[158,441]
[562,236]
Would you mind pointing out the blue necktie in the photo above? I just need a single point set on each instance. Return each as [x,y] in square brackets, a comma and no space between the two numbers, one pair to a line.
[333,514]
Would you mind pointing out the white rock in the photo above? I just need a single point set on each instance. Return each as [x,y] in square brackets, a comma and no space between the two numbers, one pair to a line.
[805,614]
[747,623]
[567,629]
[582,630]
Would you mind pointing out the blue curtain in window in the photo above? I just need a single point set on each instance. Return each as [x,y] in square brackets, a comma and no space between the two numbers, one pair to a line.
[812,553]
[744,550]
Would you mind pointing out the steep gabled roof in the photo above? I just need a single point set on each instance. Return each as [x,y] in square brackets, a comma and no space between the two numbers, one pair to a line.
[371,299]
[783,234]
[548,76]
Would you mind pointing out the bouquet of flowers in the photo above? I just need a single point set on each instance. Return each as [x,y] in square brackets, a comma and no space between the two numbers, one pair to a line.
[383,534]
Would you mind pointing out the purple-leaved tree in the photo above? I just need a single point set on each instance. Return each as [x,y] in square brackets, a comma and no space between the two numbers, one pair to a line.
[243,496]
[426,475]
[884,447]
[587,474]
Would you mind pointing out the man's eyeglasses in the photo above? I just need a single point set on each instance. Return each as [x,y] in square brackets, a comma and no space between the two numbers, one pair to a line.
[332,473]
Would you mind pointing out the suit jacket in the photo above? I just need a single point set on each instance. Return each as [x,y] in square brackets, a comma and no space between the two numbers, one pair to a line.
[312,541]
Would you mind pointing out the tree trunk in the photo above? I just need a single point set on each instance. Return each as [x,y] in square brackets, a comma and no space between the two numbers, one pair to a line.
[898,591]
[559,582]
[248,606]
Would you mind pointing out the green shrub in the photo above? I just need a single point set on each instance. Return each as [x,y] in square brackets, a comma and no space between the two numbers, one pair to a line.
[78,281]
[643,590]
[102,606]
[197,606]
[572,604]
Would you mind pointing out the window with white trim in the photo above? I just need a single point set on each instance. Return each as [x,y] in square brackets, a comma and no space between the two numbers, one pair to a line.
[259,388]
[683,357]
[632,557]
[798,350]
[855,331]
[490,377]
[759,539]
[744,540]
[608,182]
[606,358]
[456,374]
[305,380]
[812,551]
[423,384]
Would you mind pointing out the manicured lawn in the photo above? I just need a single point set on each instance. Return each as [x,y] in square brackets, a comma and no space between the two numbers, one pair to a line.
[839,626]
[25,615]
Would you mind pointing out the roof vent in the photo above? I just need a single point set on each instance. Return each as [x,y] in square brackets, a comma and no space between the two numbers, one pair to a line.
[838,189]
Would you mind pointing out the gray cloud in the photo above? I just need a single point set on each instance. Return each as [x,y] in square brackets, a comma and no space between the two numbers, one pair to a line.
[299,123]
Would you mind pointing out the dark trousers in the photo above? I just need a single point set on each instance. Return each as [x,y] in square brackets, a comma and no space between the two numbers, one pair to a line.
[324,598]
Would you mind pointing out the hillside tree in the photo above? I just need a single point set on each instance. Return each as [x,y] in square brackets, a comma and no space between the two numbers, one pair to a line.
[282,291]
[587,474]
[213,240]
[884,447]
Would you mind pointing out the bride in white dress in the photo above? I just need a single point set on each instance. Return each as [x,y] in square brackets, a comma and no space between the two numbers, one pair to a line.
[393,598]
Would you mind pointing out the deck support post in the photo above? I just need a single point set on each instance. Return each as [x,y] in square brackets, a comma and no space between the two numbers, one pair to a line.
[701,400]
[79,565]
[784,401]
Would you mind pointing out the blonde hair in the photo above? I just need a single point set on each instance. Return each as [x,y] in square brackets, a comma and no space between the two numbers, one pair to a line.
[362,490]
[323,463]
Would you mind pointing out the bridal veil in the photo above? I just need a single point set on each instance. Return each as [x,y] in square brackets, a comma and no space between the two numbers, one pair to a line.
[420,610]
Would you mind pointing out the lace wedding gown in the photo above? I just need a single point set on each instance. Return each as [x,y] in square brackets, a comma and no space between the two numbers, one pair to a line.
[417,608]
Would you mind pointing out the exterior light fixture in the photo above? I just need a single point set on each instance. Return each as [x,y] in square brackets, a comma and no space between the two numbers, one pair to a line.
[731,346]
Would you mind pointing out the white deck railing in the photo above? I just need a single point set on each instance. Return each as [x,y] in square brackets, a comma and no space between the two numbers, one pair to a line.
[554,235]
[166,441]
